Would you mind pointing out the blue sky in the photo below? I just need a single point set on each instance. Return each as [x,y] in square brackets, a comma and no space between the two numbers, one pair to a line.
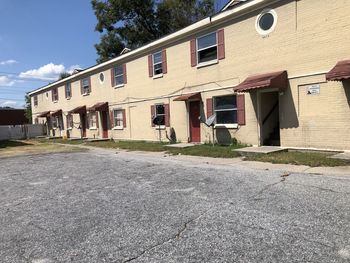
[41,38]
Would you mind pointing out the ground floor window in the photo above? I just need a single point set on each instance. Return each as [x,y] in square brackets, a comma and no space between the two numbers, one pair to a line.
[160,114]
[118,118]
[225,108]
[92,120]
[69,121]
[54,122]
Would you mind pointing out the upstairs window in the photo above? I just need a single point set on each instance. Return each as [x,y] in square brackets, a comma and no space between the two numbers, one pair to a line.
[85,85]
[35,99]
[157,63]
[54,94]
[225,109]
[68,90]
[207,48]
[118,75]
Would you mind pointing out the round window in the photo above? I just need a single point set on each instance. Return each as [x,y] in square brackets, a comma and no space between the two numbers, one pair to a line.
[102,77]
[266,22]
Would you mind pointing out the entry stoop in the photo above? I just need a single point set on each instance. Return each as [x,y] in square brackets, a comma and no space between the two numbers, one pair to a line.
[259,150]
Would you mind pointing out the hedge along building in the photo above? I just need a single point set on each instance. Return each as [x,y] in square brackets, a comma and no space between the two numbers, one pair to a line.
[261,66]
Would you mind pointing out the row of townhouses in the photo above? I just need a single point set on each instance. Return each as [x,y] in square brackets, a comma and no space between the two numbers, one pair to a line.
[272,72]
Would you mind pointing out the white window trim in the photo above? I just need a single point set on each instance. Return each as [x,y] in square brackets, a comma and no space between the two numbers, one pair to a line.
[117,127]
[262,32]
[225,125]
[156,76]
[161,127]
[119,75]
[85,93]
[210,62]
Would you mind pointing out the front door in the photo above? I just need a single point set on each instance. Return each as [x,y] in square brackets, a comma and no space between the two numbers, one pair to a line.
[83,124]
[195,126]
[104,121]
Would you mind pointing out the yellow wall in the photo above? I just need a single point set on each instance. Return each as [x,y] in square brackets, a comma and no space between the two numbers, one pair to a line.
[310,37]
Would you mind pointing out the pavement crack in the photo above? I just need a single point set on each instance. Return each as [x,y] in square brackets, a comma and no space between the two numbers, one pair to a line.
[321,188]
[176,236]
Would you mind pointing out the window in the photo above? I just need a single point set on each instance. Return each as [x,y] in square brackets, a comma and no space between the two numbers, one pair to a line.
[54,94]
[157,63]
[266,22]
[160,114]
[70,123]
[118,75]
[92,120]
[36,121]
[225,109]
[68,90]
[101,77]
[85,86]
[118,118]
[54,121]
[35,100]
[207,48]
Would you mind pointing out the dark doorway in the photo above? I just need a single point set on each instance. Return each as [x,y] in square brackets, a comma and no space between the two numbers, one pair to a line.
[195,127]
[269,122]
[83,124]
[104,122]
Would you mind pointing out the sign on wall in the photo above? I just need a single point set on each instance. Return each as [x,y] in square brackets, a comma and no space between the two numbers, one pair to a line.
[313,90]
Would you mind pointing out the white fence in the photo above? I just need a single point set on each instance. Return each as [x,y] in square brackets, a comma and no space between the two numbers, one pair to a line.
[17,132]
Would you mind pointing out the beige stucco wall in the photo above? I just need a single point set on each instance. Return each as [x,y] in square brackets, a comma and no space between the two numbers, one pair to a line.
[310,37]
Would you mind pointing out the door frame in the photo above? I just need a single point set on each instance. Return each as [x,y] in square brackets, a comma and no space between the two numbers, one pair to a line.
[104,131]
[260,117]
[188,104]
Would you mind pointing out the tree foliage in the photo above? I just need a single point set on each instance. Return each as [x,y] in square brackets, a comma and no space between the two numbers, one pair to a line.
[63,75]
[28,108]
[125,23]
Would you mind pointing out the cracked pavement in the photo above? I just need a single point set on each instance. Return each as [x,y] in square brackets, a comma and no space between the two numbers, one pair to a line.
[99,206]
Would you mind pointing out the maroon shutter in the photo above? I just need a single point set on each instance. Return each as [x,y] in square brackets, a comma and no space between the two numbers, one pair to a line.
[240,109]
[150,66]
[97,124]
[89,84]
[81,87]
[124,118]
[153,112]
[124,74]
[111,119]
[193,53]
[164,62]
[167,115]
[112,77]
[209,107]
[221,44]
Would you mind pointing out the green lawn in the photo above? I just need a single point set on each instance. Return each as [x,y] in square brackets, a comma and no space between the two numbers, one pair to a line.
[130,145]
[208,150]
[313,159]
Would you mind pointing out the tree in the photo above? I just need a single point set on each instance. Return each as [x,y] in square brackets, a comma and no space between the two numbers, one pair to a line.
[125,23]
[63,75]
[28,108]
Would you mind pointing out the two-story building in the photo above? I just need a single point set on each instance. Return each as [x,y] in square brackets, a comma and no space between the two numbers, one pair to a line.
[272,72]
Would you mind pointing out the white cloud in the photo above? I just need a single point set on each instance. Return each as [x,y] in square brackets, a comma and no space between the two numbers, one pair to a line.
[8,103]
[47,72]
[6,81]
[8,62]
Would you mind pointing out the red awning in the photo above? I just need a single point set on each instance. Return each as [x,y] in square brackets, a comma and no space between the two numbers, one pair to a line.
[188,97]
[269,80]
[56,113]
[44,114]
[81,109]
[101,106]
[341,71]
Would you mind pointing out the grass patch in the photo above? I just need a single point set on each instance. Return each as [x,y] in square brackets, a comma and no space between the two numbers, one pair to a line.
[130,145]
[216,151]
[312,159]
[9,144]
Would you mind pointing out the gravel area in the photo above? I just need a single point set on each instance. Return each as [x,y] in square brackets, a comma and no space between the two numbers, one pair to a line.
[99,206]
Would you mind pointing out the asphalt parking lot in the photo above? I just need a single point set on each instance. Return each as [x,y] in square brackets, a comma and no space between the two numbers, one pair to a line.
[99,206]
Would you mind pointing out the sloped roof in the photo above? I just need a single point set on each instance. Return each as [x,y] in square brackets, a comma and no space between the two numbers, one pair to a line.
[232,4]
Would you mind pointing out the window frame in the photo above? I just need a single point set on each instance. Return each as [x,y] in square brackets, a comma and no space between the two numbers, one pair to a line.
[88,86]
[54,94]
[54,122]
[261,31]
[158,63]
[35,100]
[91,126]
[234,109]
[70,90]
[198,50]
[156,114]
[116,120]
[70,121]
[116,84]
